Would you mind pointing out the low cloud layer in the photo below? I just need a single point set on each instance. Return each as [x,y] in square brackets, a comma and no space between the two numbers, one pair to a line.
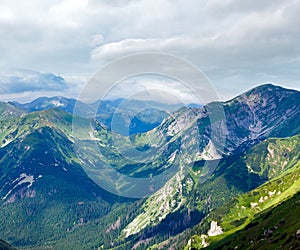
[17,81]
[22,84]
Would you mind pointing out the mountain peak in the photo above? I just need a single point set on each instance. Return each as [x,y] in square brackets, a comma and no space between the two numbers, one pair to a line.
[265,88]
[264,94]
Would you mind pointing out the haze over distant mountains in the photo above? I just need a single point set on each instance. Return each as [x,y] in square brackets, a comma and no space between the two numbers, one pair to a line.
[137,115]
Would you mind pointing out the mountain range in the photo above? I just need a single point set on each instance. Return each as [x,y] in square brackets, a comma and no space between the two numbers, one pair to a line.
[232,181]
[132,116]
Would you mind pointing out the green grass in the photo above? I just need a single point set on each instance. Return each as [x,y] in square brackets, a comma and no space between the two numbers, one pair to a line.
[240,212]
[274,228]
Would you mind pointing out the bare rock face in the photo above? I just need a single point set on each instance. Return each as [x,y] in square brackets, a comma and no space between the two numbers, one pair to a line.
[214,229]
[262,112]
[259,113]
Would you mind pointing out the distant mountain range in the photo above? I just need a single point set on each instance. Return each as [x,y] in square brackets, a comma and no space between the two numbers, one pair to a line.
[131,116]
[49,192]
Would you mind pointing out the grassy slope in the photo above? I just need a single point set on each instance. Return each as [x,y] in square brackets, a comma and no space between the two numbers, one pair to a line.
[233,178]
[56,215]
[62,127]
[242,210]
[274,228]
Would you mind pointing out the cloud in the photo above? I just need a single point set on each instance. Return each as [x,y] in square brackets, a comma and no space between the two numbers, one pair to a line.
[6,15]
[110,51]
[153,87]
[257,34]
[238,44]
[19,80]
[96,40]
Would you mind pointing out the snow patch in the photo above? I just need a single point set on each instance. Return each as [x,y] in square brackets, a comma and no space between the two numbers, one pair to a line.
[172,157]
[23,178]
[57,103]
[250,170]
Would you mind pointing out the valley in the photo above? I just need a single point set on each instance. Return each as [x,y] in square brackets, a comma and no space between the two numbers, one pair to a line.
[199,183]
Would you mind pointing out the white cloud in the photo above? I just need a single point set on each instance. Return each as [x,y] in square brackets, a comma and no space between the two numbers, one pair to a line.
[236,43]
[16,82]
[153,87]
[114,50]
[6,14]
[66,13]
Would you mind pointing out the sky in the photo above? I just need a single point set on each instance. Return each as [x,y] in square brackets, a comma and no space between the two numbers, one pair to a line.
[53,47]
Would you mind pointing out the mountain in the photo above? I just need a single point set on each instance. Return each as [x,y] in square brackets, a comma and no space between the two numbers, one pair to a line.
[235,176]
[240,211]
[245,123]
[189,130]
[132,116]
[121,115]
[210,164]
[8,111]
[227,181]
[222,199]
[39,177]
[266,110]
[63,103]
[274,228]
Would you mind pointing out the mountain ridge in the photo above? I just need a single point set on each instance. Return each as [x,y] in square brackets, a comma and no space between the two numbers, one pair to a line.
[41,143]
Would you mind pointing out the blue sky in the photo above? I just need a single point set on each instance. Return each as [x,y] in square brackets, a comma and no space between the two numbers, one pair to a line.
[237,44]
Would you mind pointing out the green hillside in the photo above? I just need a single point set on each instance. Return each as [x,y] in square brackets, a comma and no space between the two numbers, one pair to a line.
[52,175]
[275,228]
[283,183]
